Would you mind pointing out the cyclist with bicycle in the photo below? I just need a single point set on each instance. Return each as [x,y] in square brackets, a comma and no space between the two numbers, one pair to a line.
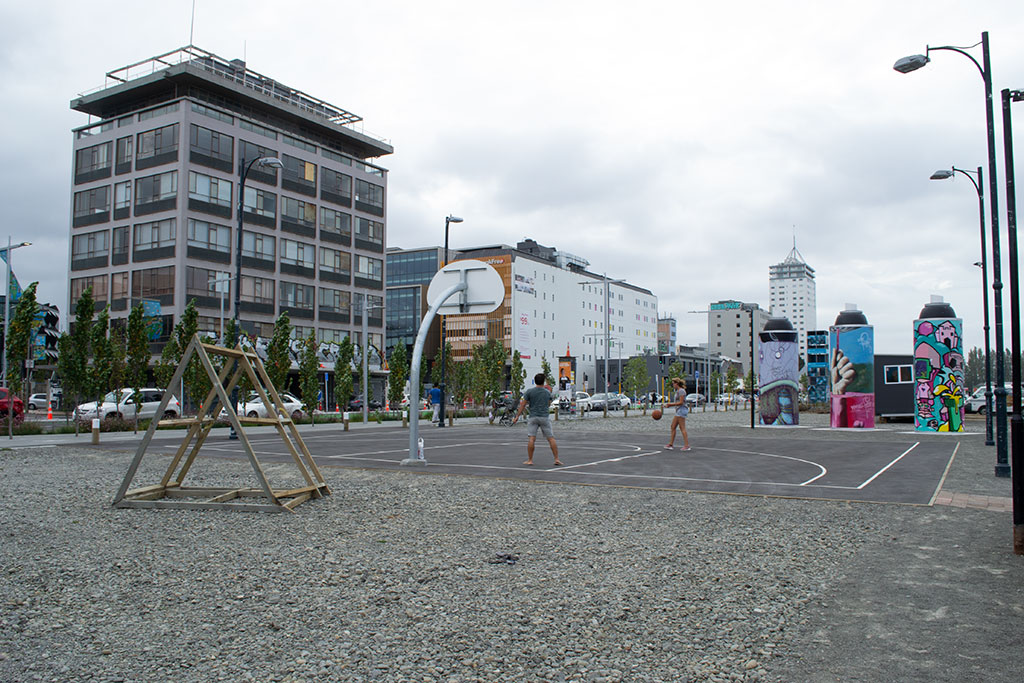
[539,399]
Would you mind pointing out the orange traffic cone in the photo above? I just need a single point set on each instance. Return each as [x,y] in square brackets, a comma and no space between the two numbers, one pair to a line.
[49,410]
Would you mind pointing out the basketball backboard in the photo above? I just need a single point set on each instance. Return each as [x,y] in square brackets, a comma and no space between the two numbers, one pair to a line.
[485,290]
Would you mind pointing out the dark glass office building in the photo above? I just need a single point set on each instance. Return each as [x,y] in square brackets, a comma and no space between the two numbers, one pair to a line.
[409,272]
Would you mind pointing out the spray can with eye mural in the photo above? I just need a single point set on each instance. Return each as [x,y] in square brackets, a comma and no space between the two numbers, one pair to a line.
[779,374]
[939,394]
[851,370]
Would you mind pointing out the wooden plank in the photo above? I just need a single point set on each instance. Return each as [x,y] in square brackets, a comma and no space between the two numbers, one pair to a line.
[194,505]
[144,444]
[230,495]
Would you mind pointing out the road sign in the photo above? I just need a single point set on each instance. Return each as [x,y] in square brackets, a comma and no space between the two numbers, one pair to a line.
[485,290]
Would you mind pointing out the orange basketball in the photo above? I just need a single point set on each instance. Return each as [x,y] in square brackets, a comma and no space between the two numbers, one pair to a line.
[656,413]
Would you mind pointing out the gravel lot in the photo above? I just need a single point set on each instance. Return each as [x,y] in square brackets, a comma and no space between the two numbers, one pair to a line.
[391,577]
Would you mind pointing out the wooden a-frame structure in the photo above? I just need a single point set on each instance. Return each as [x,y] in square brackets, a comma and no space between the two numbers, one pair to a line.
[171,492]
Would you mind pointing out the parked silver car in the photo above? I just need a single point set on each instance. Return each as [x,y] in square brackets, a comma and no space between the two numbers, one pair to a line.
[122,405]
[600,401]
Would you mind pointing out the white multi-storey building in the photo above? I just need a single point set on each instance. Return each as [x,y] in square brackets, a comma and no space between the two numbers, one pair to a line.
[791,294]
[555,307]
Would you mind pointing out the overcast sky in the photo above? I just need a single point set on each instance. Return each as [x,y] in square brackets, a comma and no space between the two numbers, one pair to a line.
[673,144]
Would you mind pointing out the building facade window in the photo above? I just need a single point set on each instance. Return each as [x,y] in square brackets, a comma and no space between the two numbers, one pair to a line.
[203,282]
[119,292]
[155,147]
[259,246]
[335,261]
[370,197]
[92,163]
[210,148]
[335,187]
[123,154]
[257,290]
[295,295]
[122,199]
[369,271]
[154,283]
[158,111]
[98,284]
[92,206]
[209,236]
[120,246]
[257,128]
[298,216]
[209,194]
[261,205]
[155,239]
[335,226]
[329,335]
[298,254]
[247,151]
[298,175]
[334,300]
[369,234]
[90,250]
[156,193]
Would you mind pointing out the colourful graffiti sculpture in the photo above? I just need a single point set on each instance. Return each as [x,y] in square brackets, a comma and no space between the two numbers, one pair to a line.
[938,369]
[851,364]
[778,380]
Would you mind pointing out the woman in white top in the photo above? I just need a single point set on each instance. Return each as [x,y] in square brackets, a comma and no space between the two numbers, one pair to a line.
[679,419]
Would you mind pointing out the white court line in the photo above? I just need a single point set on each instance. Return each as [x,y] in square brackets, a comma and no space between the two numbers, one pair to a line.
[879,472]
[822,468]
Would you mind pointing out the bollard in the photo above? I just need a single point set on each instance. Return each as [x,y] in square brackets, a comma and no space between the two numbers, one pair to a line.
[345,420]
[95,432]
[405,417]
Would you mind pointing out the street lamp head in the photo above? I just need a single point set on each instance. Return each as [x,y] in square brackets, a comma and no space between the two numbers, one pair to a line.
[25,244]
[453,219]
[941,174]
[912,63]
[979,264]
[273,162]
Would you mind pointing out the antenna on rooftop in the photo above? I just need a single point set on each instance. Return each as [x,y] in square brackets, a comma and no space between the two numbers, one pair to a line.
[192,24]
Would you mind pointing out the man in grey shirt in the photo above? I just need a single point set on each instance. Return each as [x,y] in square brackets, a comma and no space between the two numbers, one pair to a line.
[539,399]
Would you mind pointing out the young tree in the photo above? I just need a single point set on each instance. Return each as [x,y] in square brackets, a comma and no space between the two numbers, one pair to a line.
[309,376]
[343,374]
[545,367]
[517,378]
[749,383]
[118,353]
[74,350]
[399,367]
[101,356]
[974,370]
[449,366]
[489,365]
[732,375]
[462,381]
[677,370]
[635,377]
[137,357]
[164,369]
[19,338]
[196,381]
[279,360]
[716,385]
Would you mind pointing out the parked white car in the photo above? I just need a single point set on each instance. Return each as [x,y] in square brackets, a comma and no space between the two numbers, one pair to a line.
[582,401]
[624,401]
[253,406]
[122,405]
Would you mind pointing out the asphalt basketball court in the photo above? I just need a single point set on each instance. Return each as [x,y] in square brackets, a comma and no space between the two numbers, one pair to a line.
[867,467]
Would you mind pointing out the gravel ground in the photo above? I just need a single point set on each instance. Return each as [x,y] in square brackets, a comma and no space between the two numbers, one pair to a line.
[392,577]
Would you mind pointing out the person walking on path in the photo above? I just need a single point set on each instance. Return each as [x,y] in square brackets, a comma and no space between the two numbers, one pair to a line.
[538,398]
[679,419]
[435,403]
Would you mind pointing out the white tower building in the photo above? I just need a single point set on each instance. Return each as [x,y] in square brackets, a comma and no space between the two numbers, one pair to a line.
[791,294]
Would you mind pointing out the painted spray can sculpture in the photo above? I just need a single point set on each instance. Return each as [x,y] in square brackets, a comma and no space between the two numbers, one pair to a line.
[851,365]
[938,369]
[778,377]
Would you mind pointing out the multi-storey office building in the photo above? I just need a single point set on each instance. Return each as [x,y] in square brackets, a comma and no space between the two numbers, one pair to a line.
[791,294]
[555,307]
[666,335]
[729,330]
[409,272]
[155,200]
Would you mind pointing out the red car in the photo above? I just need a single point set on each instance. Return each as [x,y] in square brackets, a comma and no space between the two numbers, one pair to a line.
[19,407]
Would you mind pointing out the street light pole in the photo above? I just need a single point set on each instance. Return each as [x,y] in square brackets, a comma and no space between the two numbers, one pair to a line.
[912,63]
[243,173]
[444,351]
[1016,427]
[7,318]
[979,188]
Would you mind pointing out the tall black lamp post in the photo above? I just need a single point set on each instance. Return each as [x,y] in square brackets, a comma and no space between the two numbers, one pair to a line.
[1016,427]
[913,63]
[444,351]
[243,173]
[979,187]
